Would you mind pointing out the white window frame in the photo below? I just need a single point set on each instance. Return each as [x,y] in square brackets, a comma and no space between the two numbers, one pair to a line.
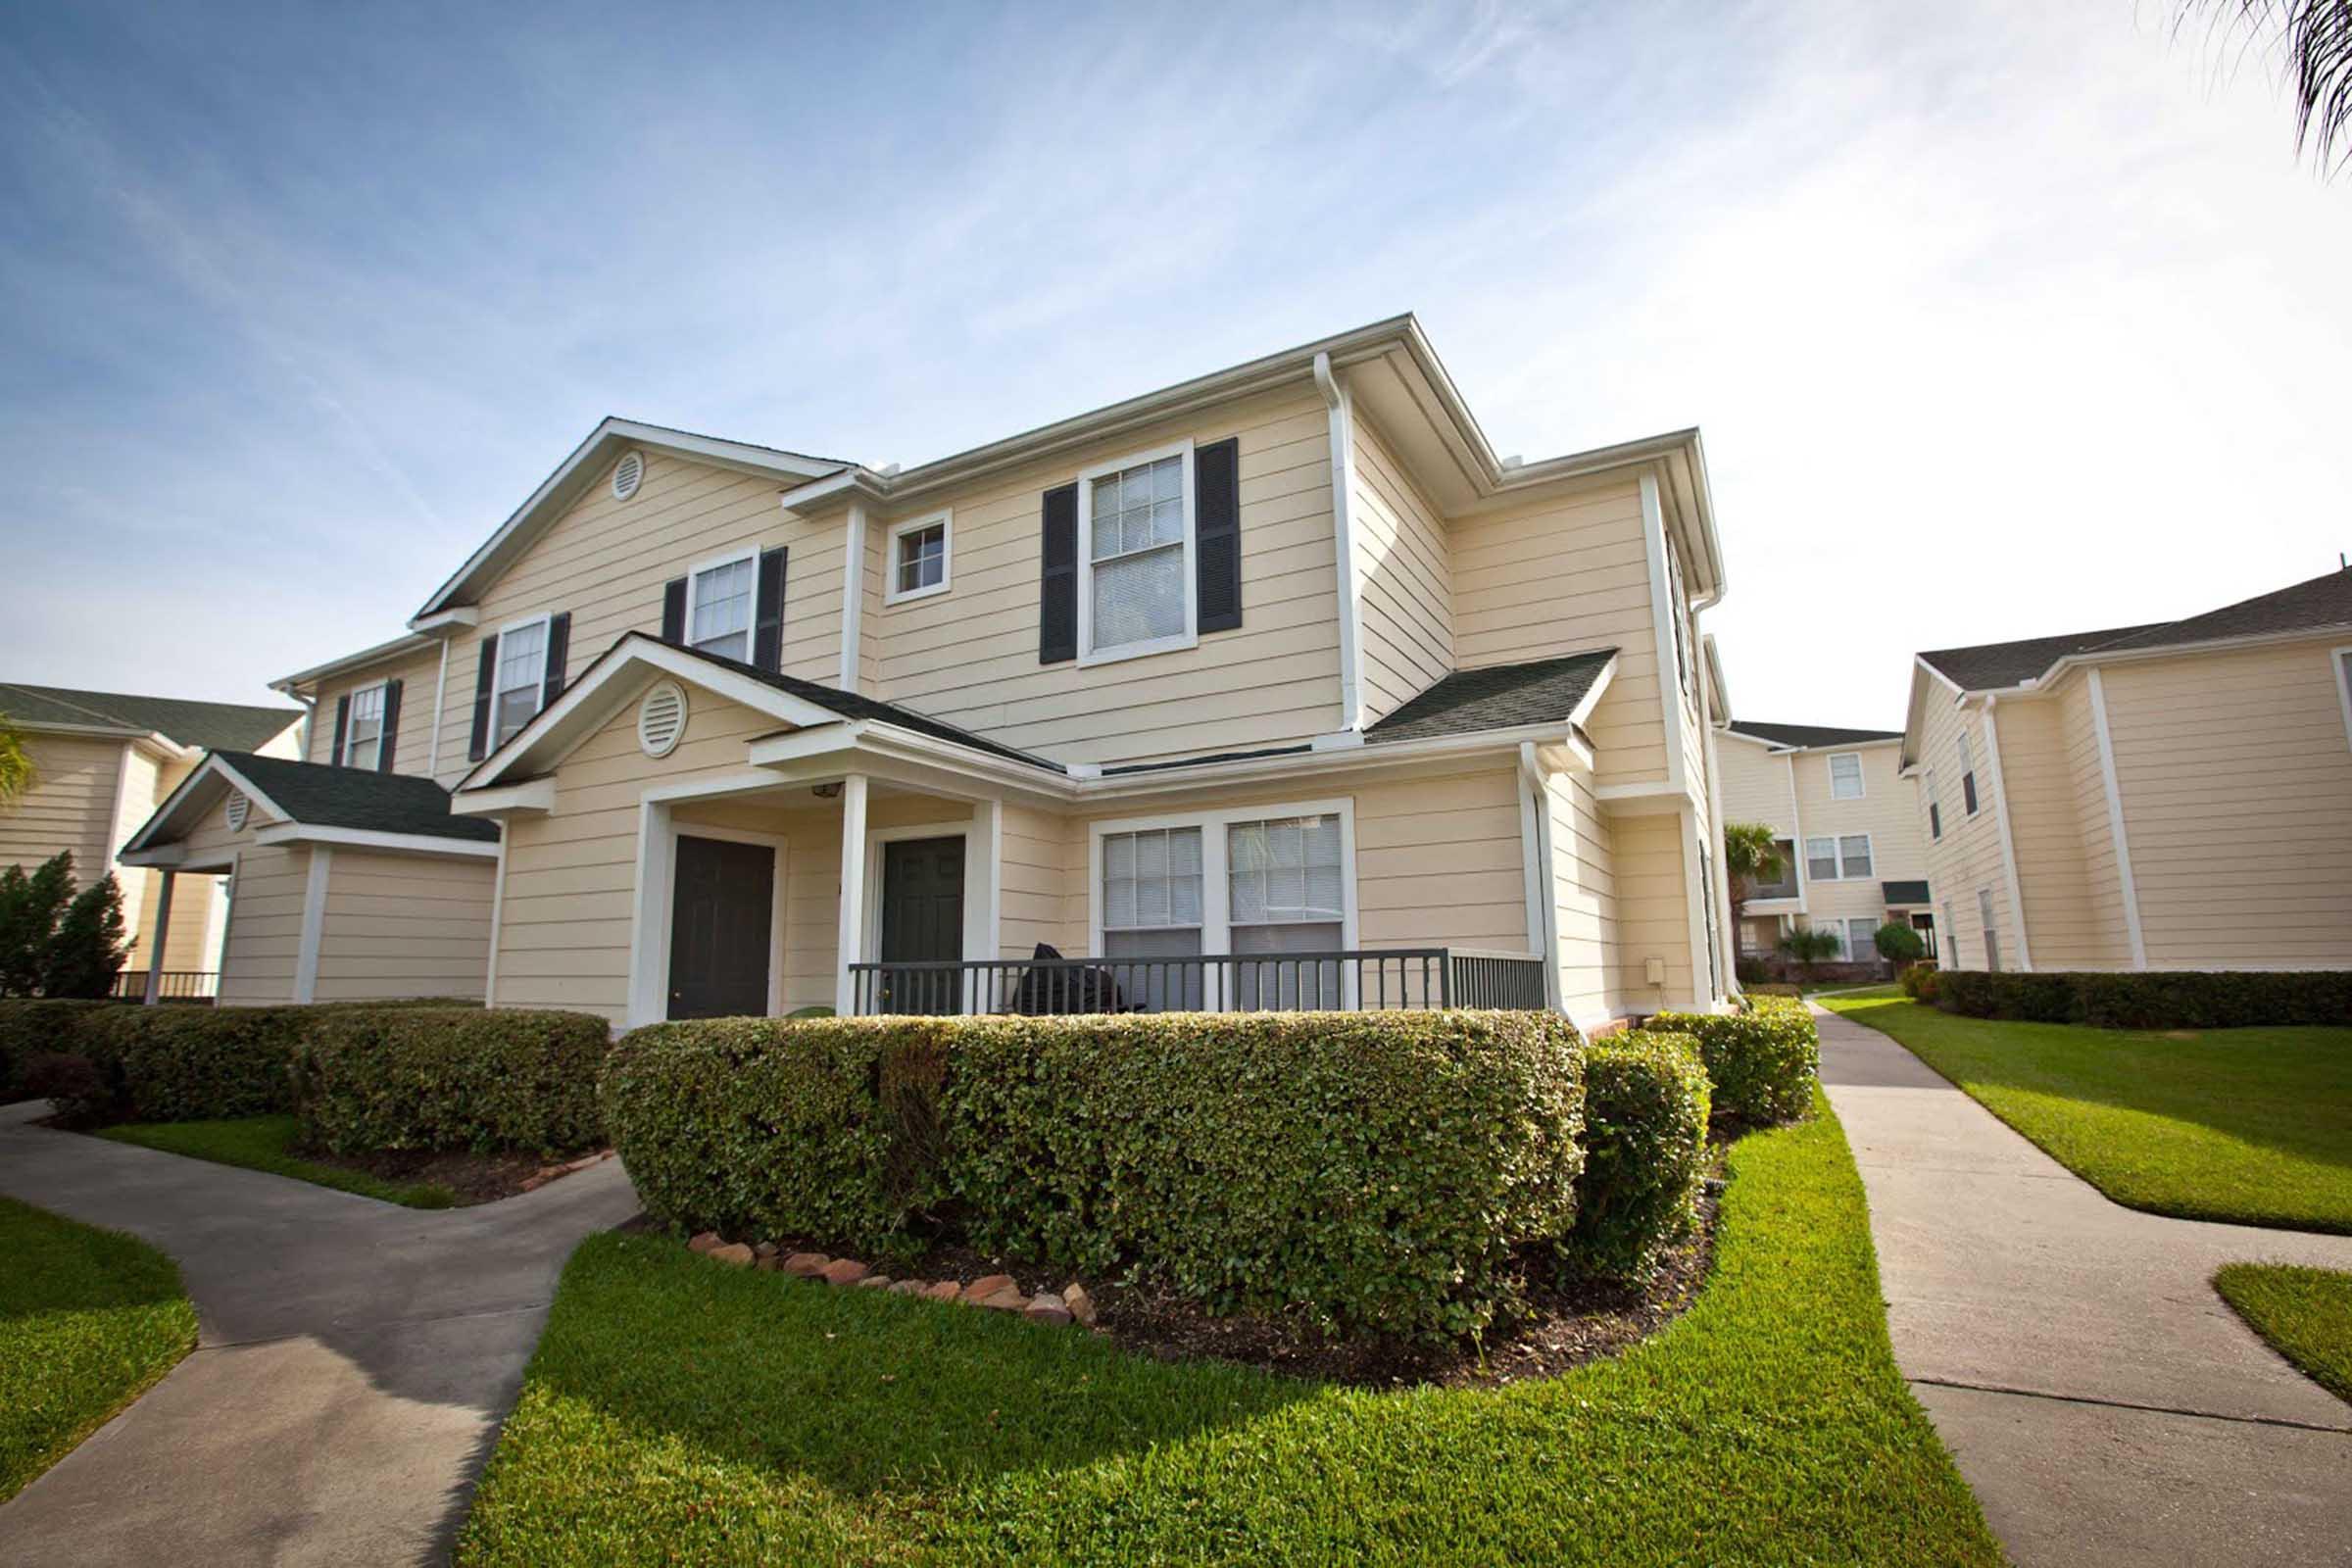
[1934,805]
[1870,952]
[1971,797]
[2341,658]
[1190,637]
[1861,788]
[1837,854]
[945,522]
[377,763]
[544,621]
[694,581]
[1216,885]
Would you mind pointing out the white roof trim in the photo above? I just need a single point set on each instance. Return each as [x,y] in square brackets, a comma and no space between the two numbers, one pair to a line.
[376,839]
[407,642]
[578,472]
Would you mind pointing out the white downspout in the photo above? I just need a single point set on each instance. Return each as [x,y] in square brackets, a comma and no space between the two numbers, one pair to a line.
[1343,522]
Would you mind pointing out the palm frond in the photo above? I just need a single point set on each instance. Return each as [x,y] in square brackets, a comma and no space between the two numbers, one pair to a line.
[2313,41]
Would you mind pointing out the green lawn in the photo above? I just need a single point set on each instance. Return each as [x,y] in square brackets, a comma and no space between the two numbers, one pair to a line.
[2303,1314]
[262,1143]
[2251,1126]
[681,1411]
[89,1321]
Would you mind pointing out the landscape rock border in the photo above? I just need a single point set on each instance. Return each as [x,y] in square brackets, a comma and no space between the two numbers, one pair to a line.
[998,1293]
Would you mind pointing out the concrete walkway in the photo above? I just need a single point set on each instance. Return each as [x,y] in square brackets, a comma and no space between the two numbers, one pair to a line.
[2104,1402]
[354,1359]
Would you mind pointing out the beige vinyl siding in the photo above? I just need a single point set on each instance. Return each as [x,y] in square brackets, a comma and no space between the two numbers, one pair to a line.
[1888,811]
[2052,821]
[1559,577]
[2237,782]
[264,926]
[1584,894]
[1755,785]
[403,925]
[412,746]
[969,656]
[1405,579]
[1969,854]
[605,562]
[1652,878]
[69,807]
[1034,900]
[2102,882]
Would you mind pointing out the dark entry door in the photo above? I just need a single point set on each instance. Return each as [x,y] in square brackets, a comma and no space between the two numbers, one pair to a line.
[922,922]
[720,939]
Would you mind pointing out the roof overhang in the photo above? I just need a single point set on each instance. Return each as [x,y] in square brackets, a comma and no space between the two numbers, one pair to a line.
[1718,691]
[185,806]
[1734,732]
[158,844]
[406,643]
[580,470]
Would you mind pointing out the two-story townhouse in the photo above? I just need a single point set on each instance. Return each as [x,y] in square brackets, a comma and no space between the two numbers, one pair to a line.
[1223,689]
[102,762]
[1846,819]
[2169,795]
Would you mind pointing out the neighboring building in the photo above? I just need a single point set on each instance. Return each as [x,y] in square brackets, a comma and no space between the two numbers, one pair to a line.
[1853,857]
[2173,796]
[1280,661]
[102,762]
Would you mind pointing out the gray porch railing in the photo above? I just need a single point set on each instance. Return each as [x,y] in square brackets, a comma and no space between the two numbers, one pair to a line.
[176,985]
[1359,980]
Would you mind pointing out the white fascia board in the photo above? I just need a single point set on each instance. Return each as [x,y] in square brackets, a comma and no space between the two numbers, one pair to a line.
[533,796]
[408,641]
[431,844]
[450,621]
[163,856]
[213,769]
[1593,693]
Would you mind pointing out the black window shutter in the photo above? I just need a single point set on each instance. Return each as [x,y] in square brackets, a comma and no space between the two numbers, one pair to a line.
[559,648]
[1057,579]
[767,615]
[483,679]
[335,757]
[1218,532]
[391,729]
[673,611]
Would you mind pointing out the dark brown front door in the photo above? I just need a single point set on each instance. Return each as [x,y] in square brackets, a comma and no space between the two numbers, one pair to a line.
[922,922]
[719,934]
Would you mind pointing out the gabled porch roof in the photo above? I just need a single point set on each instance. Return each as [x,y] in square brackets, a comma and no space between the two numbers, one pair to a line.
[312,802]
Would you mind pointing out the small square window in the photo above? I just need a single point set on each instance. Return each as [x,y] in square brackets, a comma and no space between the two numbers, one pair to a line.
[918,558]
[1846,775]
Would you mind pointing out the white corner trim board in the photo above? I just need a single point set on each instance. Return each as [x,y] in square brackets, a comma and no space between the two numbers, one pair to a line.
[1341,407]
[2115,820]
[1661,609]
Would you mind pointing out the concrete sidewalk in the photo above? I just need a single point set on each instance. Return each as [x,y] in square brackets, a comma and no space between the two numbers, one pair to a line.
[2104,1402]
[354,1359]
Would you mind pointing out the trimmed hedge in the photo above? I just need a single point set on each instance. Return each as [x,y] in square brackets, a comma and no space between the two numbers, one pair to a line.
[1764,1063]
[1371,1172]
[2182,998]
[422,1078]
[1646,1153]
[37,1027]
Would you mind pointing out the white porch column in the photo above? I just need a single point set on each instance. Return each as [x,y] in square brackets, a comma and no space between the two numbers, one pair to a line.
[314,923]
[853,894]
[163,929]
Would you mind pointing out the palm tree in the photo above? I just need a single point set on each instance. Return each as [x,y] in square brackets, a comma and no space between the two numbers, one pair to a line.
[2315,40]
[1751,853]
[16,763]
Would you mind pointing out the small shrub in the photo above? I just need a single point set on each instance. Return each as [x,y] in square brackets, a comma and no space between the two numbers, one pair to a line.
[1764,1064]
[1751,972]
[424,1078]
[1645,1150]
[1919,983]
[80,1095]
[1898,942]
[37,1026]
[55,941]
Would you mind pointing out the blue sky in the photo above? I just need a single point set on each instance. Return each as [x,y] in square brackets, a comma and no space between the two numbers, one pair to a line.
[2000,317]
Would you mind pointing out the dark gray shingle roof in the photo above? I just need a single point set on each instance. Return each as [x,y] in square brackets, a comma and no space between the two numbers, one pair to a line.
[1810,734]
[1995,665]
[1497,697]
[210,726]
[318,796]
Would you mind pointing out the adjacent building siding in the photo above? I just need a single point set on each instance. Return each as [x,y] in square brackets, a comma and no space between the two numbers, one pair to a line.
[1756,785]
[969,656]
[1968,858]
[1652,878]
[1558,577]
[1888,811]
[1405,579]
[2237,782]
[69,807]
[2051,821]
[605,562]
[413,741]
[405,925]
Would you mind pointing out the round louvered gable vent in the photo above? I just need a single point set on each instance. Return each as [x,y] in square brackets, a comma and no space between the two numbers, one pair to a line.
[661,720]
[238,805]
[627,474]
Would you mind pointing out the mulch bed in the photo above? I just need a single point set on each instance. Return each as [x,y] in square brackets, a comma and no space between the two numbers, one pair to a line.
[1566,1322]
[472,1178]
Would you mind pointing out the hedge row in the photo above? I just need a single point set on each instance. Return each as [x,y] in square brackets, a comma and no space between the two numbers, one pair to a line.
[2159,1000]
[1764,1063]
[1371,1172]
[1645,1151]
[424,1074]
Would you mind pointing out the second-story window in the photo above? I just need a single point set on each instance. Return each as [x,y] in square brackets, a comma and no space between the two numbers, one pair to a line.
[1846,775]
[1135,548]
[364,736]
[1968,774]
[522,679]
[718,608]
[918,558]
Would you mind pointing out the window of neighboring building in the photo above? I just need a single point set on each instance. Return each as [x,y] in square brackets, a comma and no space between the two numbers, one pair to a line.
[1862,938]
[1846,775]
[1968,775]
[718,607]
[1675,610]
[363,729]
[1935,807]
[1841,859]
[1783,886]
[1949,954]
[522,679]
[918,558]
[1135,524]
[1992,938]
